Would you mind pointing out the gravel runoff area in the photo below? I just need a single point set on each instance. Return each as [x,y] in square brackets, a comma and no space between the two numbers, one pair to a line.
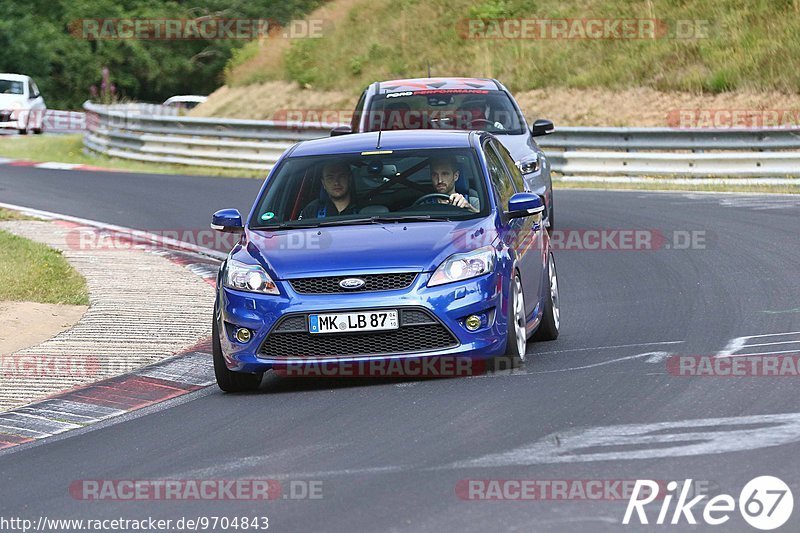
[143,308]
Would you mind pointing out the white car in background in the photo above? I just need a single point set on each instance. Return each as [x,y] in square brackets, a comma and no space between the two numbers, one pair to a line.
[21,105]
[186,101]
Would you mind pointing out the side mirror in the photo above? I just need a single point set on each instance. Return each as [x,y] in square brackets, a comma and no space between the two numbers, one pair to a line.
[227,220]
[524,204]
[542,127]
[341,130]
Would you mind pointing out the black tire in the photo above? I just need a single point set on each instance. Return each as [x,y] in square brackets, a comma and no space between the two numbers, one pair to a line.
[228,380]
[37,131]
[23,131]
[515,349]
[551,315]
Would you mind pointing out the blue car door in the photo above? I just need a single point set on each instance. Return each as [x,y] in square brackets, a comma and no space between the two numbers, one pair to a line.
[525,234]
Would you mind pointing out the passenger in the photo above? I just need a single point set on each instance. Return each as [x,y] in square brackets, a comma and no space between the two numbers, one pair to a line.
[336,182]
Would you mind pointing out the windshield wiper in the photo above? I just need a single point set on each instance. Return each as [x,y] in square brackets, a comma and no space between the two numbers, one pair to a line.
[378,219]
[411,218]
[286,225]
[375,219]
[346,221]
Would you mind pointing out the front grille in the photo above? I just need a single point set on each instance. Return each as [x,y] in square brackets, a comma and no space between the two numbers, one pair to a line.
[372,283]
[418,332]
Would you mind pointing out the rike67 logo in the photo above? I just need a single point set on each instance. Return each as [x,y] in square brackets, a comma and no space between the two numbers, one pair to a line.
[765,502]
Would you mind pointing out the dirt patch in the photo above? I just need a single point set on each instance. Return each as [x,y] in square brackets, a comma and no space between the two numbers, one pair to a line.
[645,107]
[25,324]
[273,100]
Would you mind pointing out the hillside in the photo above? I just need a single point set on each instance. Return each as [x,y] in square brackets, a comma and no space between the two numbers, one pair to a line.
[717,54]
[741,46]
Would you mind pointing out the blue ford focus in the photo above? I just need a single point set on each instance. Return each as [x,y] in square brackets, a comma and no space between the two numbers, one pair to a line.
[381,247]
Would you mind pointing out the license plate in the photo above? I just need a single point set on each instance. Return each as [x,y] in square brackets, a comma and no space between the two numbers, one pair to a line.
[346,322]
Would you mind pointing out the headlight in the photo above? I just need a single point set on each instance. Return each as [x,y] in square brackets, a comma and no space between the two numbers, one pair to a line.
[251,278]
[529,166]
[459,267]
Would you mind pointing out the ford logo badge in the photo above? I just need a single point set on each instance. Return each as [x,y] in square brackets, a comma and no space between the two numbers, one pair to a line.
[351,283]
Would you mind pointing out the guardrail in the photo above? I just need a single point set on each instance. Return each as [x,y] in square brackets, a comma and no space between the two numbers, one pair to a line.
[148,134]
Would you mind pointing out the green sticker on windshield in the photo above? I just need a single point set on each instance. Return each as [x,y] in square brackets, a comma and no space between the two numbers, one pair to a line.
[268,215]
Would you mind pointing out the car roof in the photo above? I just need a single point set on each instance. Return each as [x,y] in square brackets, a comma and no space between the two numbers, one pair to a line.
[390,140]
[187,98]
[13,77]
[421,84]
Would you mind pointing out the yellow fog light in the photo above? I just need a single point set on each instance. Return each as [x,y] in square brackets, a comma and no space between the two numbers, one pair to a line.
[473,322]
[243,335]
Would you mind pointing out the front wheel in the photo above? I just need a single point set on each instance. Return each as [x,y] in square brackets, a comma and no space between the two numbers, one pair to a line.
[516,338]
[228,380]
[551,315]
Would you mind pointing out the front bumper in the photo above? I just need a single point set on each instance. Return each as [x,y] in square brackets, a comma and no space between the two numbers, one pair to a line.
[449,304]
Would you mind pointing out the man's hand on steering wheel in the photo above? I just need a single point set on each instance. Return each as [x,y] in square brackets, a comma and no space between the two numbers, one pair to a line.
[458,200]
[455,199]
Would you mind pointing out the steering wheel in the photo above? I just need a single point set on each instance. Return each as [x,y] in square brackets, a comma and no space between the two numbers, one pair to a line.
[432,195]
[483,121]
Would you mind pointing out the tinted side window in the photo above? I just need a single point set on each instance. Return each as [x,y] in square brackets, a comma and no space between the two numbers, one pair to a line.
[357,113]
[513,169]
[500,180]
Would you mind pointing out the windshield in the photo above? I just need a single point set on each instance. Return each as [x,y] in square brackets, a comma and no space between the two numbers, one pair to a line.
[458,109]
[11,87]
[408,185]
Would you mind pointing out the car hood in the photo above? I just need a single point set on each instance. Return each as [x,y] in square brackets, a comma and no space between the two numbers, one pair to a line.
[363,249]
[520,146]
[6,100]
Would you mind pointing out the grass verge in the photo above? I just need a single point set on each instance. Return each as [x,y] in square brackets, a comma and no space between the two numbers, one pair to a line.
[33,272]
[7,214]
[69,149]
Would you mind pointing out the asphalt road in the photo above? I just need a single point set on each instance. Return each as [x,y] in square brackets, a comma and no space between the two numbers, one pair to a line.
[597,404]
[156,202]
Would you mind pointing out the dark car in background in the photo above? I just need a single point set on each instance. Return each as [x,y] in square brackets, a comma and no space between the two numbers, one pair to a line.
[463,104]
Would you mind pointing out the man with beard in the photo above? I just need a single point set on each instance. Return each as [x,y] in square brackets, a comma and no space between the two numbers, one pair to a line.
[444,174]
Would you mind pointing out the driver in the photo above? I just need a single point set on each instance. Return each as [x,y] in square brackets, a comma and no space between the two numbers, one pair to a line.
[444,174]
[336,180]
